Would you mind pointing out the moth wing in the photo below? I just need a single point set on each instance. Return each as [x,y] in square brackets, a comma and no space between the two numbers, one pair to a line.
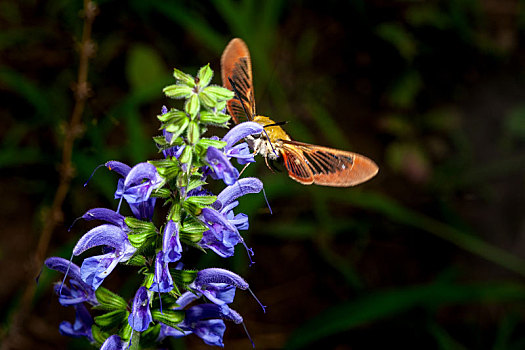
[237,66]
[327,166]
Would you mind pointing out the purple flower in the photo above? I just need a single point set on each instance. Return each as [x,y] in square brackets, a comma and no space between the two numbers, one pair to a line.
[222,236]
[95,269]
[171,243]
[140,316]
[137,186]
[113,343]
[241,152]
[105,214]
[82,325]
[162,281]
[79,292]
[221,166]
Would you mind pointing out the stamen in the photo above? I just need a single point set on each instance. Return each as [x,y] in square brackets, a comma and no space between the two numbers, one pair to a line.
[74,221]
[65,275]
[248,334]
[253,294]
[267,203]
[119,203]
[93,173]
[248,250]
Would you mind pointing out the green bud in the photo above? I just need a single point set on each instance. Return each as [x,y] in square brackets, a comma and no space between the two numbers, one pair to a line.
[137,240]
[183,77]
[174,213]
[173,116]
[184,277]
[192,106]
[205,74]
[220,93]
[98,335]
[177,129]
[186,155]
[136,260]
[202,201]
[218,119]
[139,226]
[125,332]
[178,91]
[207,99]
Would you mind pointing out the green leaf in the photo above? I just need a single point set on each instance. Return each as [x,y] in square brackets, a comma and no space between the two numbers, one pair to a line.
[111,319]
[173,116]
[186,156]
[220,93]
[110,300]
[202,201]
[207,117]
[160,141]
[125,331]
[192,106]
[178,91]
[184,78]
[205,75]
[164,192]
[169,317]
[194,183]
[193,132]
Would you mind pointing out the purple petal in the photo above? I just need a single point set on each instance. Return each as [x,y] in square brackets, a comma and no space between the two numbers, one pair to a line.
[109,235]
[240,131]
[210,331]
[140,172]
[61,265]
[231,193]
[167,331]
[242,153]
[96,268]
[219,293]
[171,245]
[143,210]
[140,317]
[118,167]
[221,166]
[217,275]
[162,281]
[82,325]
[185,299]
[113,343]
[105,214]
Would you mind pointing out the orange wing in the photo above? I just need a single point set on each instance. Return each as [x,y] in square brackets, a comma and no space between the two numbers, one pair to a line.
[311,164]
[237,66]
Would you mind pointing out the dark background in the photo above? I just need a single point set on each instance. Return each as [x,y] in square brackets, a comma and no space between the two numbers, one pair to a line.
[429,254]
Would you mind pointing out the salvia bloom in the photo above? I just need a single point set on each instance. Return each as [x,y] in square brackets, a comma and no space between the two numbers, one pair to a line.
[171,301]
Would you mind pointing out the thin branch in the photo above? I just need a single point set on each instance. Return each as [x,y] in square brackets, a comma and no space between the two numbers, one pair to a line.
[73,130]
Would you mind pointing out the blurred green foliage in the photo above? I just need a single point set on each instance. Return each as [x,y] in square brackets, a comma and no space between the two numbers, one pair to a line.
[433,91]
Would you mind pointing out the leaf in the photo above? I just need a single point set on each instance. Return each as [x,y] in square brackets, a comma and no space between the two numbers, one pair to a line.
[144,67]
[169,317]
[109,300]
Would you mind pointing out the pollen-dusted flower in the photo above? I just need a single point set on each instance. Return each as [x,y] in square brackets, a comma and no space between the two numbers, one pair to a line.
[95,269]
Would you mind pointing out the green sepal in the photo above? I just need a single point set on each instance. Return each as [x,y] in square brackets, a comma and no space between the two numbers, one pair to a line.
[202,201]
[169,317]
[148,280]
[192,226]
[193,133]
[186,155]
[205,75]
[207,99]
[137,260]
[163,192]
[125,332]
[111,319]
[138,239]
[160,141]
[220,93]
[183,277]
[173,116]
[174,213]
[194,183]
[99,336]
[183,77]
[192,106]
[177,91]
[109,300]
[177,128]
[192,208]
[148,338]
[205,143]
[218,118]
[139,226]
